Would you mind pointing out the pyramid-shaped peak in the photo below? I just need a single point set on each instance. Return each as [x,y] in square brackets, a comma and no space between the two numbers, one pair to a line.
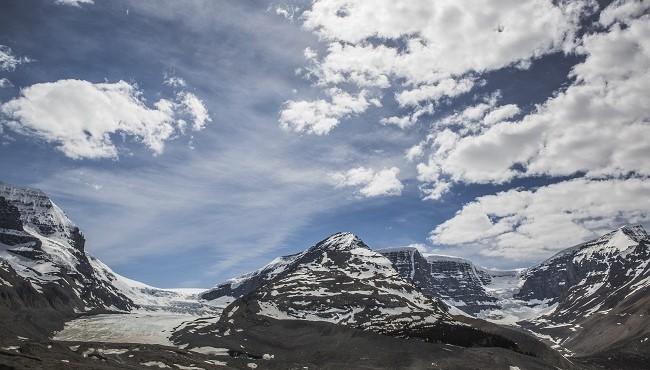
[635,231]
[632,232]
[341,241]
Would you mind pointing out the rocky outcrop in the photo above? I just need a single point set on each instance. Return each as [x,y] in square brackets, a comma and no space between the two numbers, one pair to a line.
[455,280]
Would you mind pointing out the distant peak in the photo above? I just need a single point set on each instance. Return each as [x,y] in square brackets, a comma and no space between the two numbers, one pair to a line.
[635,231]
[341,241]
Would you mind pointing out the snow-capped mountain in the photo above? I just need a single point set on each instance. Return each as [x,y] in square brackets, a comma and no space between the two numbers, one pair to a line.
[599,291]
[340,297]
[44,247]
[455,280]
[338,280]
[45,273]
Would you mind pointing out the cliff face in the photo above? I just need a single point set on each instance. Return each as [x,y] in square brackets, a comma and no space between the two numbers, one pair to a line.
[455,280]
[46,274]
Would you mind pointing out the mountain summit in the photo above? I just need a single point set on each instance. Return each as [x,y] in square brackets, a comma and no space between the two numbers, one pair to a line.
[338,280]
[44,268]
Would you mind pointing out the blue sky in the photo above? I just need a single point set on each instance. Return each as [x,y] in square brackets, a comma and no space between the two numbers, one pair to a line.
[523,136]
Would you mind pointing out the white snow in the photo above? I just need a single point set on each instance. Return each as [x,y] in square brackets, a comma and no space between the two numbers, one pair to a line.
[182,367]
[155,364]
[216,363]
[149,328]
[504,286]
[211,351]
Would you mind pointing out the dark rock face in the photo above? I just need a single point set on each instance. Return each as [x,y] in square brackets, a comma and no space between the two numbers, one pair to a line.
[452,279]
[597,284]
[9,216]
[46,274]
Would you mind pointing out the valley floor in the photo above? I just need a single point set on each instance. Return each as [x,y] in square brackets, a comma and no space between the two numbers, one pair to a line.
[137,327]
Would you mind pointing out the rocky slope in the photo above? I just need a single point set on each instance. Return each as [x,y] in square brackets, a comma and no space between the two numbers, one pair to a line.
[338,303]
[599,290]
[455,280]
[45,272]
[340,280]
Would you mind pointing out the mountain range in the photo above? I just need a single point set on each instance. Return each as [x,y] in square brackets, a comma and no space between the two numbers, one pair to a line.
[337,304]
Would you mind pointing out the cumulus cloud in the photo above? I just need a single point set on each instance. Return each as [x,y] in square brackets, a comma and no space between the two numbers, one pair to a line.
[409,119]
[597,126]
[371,183]
[5,83]
[446,88]
[74,2]
[533,223]
[477,118]
[82,117]
[174,81]
[321,116]
[442,38]
[431,49]
[9,61]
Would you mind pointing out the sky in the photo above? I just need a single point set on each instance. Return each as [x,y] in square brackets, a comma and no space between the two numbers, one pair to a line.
[195,140]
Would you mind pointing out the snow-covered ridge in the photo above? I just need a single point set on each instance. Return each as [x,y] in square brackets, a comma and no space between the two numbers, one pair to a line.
[39,212]
[341,241]
[615,241]
[45,247]
[238,286]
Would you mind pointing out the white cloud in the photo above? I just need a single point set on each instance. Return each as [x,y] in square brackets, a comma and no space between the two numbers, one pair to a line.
[442,38]
[446,88]
[533,223]
[8,61]
[408,120]
[195,108]
[371,183]
[597,126]
[478,117]
[5,83]
[74,2]
[80,116]
[420,247]
[414,152]
[321,116]
[501,114]
[623,10]
[174,81]
[429,49]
